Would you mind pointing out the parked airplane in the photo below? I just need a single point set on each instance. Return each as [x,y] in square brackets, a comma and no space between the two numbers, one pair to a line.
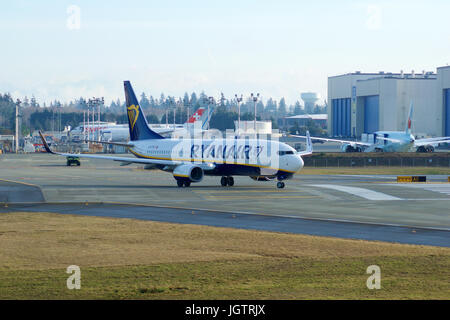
[390,141]
[76,134]
[190,159]
[122,133]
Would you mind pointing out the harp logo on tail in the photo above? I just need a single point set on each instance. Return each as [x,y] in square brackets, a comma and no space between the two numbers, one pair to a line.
[133,114]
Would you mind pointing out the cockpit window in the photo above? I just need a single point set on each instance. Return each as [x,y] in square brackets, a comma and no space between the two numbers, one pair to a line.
[282,153]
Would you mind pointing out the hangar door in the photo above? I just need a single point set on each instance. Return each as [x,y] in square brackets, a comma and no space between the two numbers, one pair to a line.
[447,112]
[341,114]
[371,113]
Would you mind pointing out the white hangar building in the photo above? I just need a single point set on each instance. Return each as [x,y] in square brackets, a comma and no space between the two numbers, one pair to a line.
[368,102]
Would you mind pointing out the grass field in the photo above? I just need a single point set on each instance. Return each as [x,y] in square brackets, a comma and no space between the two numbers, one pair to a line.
[377,170]
[131,259]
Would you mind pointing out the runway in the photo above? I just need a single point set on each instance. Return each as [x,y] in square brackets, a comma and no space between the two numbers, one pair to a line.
[348,230]
[348,206]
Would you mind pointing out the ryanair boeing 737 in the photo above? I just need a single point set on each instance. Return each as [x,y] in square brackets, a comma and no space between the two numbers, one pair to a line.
[189,159]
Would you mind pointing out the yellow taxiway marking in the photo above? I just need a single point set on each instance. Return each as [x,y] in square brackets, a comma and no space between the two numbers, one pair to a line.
[20,182]
[245,191]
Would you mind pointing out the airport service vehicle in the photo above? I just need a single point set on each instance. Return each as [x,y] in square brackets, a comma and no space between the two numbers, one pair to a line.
[190,159]
[390,141]
[73,160]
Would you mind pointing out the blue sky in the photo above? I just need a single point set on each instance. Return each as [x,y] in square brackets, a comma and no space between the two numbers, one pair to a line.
[276,48]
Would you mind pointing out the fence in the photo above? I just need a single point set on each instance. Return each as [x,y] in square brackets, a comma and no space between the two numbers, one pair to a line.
[324,161]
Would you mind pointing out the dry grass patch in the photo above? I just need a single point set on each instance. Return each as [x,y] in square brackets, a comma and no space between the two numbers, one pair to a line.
[46,240]
[133,259]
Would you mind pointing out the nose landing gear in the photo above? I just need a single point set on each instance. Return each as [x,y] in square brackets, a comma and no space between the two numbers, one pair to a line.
[183,183]
[280,185]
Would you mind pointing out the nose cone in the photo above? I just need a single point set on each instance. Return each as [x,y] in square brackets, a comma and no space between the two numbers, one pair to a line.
[294,163]
[299,163]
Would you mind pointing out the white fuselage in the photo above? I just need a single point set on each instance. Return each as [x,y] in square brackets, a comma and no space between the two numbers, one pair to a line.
[265,157]
[404,141]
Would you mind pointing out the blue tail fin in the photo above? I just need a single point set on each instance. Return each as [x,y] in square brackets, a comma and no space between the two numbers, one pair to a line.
[137,123]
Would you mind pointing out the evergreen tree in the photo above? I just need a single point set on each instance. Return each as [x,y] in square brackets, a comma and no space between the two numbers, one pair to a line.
[282,108]
[152,102]
[202,100]
[194,100]
[33,102]
[144,103]
[162,101]
[222,119]
[186,99]
[298,108]
[271,107]
[151,118]
[260,107]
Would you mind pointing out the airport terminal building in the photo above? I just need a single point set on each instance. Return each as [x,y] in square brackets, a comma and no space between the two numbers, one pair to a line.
[368,102]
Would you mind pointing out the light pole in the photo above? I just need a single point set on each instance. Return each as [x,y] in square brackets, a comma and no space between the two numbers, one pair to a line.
[174,116]
[95,102]
[239,100]
[167,118]
[84,125]
[188,110]
[211,101]
[18,102]
[59,125]
[88,128]
[255,99]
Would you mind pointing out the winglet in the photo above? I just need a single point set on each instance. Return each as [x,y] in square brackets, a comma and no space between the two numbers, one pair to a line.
[47,148]
[309,146]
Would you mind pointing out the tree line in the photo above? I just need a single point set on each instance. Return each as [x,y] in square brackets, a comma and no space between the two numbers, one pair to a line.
[56,115]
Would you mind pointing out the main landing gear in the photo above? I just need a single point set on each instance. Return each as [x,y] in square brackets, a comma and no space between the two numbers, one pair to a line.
[227,181]
[280,185]
[183,183]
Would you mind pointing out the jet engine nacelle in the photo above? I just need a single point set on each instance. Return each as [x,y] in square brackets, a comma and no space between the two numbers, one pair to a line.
[188,172]
[428,148]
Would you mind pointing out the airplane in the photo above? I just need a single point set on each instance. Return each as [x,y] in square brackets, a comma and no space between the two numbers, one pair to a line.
[76,133]
[389,141]
[190,159]
[122,133]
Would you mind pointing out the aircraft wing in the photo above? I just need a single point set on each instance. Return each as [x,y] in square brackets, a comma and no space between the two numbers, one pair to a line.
[164,131]
[431,141]
[130,145]
[334,140]
[121,159]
